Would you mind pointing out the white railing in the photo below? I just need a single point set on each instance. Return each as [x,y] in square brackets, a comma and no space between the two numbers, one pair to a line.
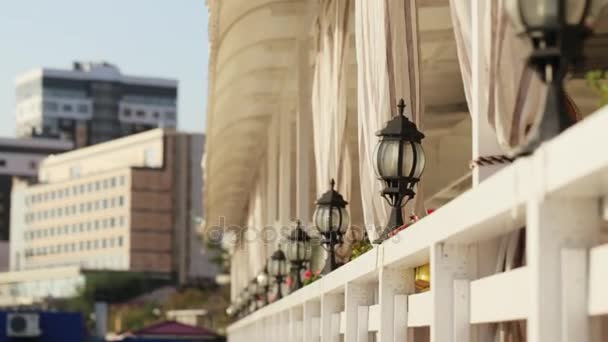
[557,194]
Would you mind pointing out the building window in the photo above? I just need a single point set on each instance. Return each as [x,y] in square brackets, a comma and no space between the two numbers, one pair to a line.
[67,108]
[50,106]
[122,180]
[140,113]
[32,165]
[126,112]
[149,157]
[83,108]
[121,201]
[75,171]
[170,115]
[120,241]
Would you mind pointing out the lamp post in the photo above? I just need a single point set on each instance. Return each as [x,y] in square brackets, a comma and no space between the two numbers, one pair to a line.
[263,285]
[557,31]
[299,252]
[278,270]
[399,163]
[331,219]
[231,311]
[246,300]
[253,293]
[239,304]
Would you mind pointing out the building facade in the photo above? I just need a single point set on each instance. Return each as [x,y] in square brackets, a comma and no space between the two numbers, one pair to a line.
[316,80]
[127,205]
[92,103]
[20,158]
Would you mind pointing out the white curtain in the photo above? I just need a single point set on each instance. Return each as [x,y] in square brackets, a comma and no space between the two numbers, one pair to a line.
[512,95]
[329,97]
[251,253]
[388,69]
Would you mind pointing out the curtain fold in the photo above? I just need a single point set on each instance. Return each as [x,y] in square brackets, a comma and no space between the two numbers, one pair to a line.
[512,95]
[329,97]
[388,59]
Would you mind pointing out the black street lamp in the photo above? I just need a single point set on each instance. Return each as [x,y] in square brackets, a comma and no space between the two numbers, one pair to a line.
[399,163]
[231,310]
[331,219]
[239,304]
[253,293]
[263,285]
[278,270]
[557,31]
[299,252]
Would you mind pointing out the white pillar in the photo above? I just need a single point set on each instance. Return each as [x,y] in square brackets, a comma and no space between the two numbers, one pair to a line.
[553,226]
[356,296]
[484,138]
[448,263]
[285,193]
[303,133]
[331,303]
[393,281]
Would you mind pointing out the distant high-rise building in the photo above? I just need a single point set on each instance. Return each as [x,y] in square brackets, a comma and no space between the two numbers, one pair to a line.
[92,103]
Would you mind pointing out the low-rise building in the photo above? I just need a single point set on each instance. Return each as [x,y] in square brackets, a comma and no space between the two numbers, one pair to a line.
[127,205]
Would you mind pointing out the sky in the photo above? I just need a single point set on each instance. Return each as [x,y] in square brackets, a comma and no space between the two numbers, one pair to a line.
[160,38]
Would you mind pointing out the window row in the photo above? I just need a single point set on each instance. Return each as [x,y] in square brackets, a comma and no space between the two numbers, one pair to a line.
[140,113]
[74,209]
[75,247]
[74,190]
[75,228]
[52,107]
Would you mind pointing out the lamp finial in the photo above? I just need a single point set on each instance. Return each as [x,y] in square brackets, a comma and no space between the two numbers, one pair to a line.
[401,106]
[332,183]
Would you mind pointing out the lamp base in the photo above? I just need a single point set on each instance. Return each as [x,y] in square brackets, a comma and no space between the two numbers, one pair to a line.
[329,266]
[394,222]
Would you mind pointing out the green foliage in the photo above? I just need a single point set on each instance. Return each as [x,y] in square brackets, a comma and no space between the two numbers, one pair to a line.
[360,247]
[598,81]
[111,287]
[134,318]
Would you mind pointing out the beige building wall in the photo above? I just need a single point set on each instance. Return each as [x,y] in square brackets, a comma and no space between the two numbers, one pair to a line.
[128,204]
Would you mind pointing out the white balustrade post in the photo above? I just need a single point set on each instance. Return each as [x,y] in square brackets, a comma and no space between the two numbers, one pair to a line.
[362,324]
[311,313]
[462,316]
[553,225]
[295,324]
[448,263]
[356,295]
[331,303]
[393,281]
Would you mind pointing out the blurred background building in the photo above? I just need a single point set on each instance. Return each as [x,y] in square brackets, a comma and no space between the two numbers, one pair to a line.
[131,204]
[92,103]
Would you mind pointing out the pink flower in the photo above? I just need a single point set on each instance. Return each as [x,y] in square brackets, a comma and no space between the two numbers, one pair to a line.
[308,274]
[289,281]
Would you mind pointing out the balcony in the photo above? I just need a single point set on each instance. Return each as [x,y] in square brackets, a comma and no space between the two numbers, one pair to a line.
[557,194]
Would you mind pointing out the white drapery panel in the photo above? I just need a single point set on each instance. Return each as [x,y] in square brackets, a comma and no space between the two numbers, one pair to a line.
[388,69]
[251,253]
[329,97]
[512,94]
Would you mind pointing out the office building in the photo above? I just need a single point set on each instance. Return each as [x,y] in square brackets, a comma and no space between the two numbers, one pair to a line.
[126,205]
[92,103]
[20,158]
